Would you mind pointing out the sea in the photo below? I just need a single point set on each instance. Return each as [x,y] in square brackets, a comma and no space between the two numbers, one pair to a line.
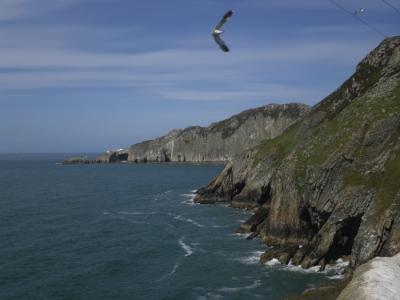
[128,231]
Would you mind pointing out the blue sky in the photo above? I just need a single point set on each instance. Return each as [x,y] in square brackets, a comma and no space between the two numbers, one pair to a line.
[89,75]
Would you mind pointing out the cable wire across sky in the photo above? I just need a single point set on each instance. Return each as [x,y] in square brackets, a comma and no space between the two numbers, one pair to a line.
[391,6]
[356,16]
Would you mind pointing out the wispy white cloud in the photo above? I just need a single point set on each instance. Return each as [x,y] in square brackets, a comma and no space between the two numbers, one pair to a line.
[17,9]
[177,58]
[53,66]
[65,56]
[177,74]
[58,37]
[267,93]
[114,55]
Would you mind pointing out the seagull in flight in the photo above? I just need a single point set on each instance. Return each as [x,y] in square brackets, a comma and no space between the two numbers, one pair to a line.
[359,11]
[216,32]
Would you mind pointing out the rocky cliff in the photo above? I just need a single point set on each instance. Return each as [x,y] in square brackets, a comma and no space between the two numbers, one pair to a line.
[218,142]
[112,156]
[329,186]
[222,140]
[377,279]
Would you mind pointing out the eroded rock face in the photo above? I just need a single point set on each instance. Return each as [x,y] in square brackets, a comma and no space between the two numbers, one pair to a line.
[331,181]
[222,140]
[377,279]
[113,156]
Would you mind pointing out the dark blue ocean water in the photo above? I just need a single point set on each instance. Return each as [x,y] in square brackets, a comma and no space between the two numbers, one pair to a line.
[126,232]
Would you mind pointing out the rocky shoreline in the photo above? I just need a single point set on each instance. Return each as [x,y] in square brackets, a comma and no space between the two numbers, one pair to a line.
[322,181]
[327,188]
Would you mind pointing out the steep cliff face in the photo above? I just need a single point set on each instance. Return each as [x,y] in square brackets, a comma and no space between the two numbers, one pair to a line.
[222,140]
[112,156]
[329,186]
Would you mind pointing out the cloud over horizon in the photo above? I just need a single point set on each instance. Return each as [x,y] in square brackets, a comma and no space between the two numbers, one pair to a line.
[100,51]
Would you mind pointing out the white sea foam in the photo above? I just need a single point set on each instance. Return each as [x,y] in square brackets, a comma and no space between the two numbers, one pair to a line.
[252,259]
[136,222]
[298,268]
[136,213]
[335,270]
[162,195]
[172,272]
[336,277]
[254,285]
[220,226]
[189,199]
[173,269]
[241,235]
[272,262]
[338,267]
[188,195]
[183,219]
[188,250]
[210,296]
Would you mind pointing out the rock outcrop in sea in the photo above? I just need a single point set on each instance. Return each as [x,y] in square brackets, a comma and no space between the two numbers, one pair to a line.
[218,142]
[329,186]
[78,160]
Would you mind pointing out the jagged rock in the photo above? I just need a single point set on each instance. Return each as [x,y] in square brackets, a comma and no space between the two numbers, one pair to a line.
[253,223]
[283,255]
[325,292]
[331,180]
[113,156]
